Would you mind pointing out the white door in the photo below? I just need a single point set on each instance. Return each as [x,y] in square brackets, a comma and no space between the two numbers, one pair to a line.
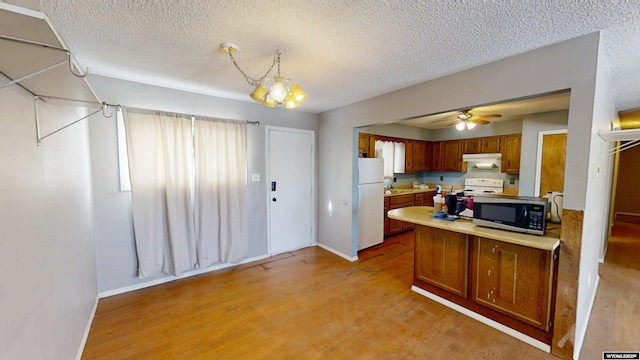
[290,174]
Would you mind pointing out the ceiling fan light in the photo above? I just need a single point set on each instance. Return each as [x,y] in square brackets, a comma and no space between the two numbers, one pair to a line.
[470,125]
[259,93]
[460,126]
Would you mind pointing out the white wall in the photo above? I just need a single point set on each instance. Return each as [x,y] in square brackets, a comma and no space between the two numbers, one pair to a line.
[531,126]
[48,287]
[114,233]
[567,65]
[598,197]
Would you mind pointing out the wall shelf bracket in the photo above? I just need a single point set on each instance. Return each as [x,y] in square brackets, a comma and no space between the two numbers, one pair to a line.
[39,137]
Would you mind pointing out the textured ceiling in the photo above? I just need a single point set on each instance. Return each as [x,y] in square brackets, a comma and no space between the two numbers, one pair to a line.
[339,51]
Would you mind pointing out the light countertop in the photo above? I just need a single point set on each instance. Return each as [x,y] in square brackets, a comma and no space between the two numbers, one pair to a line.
[396,192]
[422,215]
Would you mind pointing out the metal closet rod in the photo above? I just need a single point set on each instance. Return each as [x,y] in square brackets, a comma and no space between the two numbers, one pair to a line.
[103,108]
[67,60]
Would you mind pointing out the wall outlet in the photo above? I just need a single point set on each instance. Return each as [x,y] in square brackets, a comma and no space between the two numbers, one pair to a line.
[512,181]
[395,179]
[441,178]
[255,177]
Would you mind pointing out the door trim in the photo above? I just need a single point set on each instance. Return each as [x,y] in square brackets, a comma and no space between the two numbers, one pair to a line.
[312,133]
[541,134]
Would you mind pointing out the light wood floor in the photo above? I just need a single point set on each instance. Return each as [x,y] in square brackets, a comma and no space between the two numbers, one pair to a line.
[311,304]
[615,319]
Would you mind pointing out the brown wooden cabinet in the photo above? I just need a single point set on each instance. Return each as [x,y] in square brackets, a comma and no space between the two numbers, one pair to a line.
[436,156]
[386,217]
[408,156]
[471,146]
[366,145]
[447,156]
[427,199]
[482,145]
[417,155]
[396,202]
[421,156]
[513,279]
[490,144]
[511,153]
[441,259]
[452,156]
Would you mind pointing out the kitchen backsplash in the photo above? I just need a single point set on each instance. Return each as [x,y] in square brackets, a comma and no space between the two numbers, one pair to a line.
[454,178]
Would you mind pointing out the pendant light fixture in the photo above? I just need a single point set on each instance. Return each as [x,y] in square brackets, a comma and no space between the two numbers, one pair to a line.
[270,91]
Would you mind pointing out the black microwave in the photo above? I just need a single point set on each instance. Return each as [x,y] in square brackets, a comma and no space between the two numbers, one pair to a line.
[516,213]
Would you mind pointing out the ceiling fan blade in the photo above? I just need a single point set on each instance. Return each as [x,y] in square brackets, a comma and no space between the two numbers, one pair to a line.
[489,116]
[479,121]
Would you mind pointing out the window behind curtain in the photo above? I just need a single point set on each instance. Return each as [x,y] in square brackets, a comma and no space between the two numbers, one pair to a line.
[188,183]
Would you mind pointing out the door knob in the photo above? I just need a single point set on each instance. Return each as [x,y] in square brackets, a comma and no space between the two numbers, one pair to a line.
[274,200]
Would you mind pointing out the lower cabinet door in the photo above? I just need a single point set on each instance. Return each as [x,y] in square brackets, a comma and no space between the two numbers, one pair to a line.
[395,226]
[513,279]
[441,259]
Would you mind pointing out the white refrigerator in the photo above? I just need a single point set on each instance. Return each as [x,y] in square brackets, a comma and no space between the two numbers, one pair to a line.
[370,202]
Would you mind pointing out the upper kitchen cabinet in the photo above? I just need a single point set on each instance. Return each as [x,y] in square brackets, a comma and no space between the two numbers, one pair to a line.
[482,145]
[420,155]
[447,156]
[436,156]
[490,144]
[451,156]
[366,145]
[511,145]
[408,156]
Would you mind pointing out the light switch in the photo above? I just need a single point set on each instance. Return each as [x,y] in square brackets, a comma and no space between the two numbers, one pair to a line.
[255,177]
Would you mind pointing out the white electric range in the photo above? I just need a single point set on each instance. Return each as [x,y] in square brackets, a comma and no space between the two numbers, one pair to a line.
[481,186]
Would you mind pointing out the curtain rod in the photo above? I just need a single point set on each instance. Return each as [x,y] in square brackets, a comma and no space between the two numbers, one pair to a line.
[142,110]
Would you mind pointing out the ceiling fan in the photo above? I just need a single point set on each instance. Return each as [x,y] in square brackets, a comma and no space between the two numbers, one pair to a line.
[465,119]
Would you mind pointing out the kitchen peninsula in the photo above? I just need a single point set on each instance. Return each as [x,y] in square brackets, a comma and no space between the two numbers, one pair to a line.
[504,279]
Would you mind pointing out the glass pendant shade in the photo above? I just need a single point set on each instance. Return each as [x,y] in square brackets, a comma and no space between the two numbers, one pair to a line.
[258,93]
[470,125]
[460,126]
[278,91]
[297,94]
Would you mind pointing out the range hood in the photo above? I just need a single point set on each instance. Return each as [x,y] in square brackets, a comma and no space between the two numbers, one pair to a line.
[484,158]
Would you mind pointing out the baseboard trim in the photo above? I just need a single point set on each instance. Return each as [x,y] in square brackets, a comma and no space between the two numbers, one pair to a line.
[166,279]
[336,252]
[485,320]
[579,337]
[85,336]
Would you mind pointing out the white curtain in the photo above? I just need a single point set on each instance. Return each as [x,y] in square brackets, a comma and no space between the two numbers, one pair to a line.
[220,191]
[160,150]
[386,150]
[188,185]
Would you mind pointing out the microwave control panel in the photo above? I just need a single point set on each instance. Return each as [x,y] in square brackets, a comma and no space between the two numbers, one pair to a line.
[537,215]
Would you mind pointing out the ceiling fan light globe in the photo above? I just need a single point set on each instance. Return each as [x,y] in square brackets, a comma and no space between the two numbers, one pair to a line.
[470,125]
[460,126]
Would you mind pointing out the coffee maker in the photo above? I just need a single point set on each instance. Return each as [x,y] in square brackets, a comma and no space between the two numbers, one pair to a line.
[451,200]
